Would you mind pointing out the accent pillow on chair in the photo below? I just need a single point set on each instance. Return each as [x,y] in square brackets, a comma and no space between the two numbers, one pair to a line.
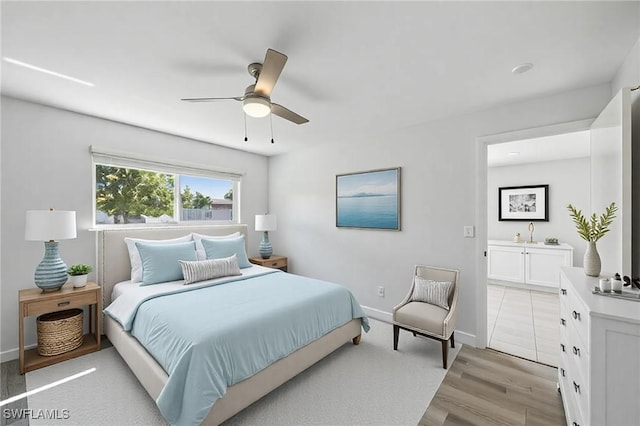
[433,292]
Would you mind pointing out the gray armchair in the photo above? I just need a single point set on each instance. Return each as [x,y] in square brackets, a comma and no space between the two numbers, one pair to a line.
[427,319]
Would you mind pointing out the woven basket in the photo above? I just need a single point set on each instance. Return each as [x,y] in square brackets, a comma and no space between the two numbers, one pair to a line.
[59,332]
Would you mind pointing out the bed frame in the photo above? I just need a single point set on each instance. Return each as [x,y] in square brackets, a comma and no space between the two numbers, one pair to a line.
[114,266]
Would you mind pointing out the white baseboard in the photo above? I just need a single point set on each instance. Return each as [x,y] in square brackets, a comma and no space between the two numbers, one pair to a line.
[466,338]
[377,314]
[12,354]
[461,336]
[9,355]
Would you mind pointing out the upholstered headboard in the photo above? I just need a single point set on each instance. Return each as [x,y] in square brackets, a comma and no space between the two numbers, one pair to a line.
[113,258]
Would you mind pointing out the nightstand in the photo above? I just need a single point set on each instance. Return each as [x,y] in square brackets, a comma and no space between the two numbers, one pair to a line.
[34,301]
[274,261]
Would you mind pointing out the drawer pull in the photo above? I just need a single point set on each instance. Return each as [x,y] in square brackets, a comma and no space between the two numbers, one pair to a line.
[274,264]
[575,424]
[563,321]
[562,346]
[576,387]
[576,315]
[576,351]
[64,303]
[563,291]
[562,372]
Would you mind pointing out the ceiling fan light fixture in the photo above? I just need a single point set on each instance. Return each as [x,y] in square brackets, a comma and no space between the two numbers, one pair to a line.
[256,107]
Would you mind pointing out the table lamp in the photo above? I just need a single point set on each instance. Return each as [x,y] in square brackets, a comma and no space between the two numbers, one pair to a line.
[265,223]
[50,226]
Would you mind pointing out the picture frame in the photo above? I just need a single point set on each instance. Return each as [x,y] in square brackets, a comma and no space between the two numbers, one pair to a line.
[369,200]
[524,203]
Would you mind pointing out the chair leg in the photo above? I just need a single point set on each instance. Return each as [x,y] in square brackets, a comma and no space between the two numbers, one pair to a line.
[396,332]
[445,353]
[453,342]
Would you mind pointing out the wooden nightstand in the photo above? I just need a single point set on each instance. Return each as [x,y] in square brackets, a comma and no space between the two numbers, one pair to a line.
[275,261]
[35,302]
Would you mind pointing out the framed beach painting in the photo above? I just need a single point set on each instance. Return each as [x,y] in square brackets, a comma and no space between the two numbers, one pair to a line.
[527,203]
[369,200]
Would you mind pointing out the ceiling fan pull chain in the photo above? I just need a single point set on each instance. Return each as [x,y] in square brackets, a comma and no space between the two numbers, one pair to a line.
[245,127]
[271,124]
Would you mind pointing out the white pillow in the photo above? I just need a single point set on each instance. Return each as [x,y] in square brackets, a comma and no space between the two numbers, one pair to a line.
[134,254]
[202,270]
[202,255]
[433,292]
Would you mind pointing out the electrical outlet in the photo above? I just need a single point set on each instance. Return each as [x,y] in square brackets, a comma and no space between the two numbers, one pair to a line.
[468,232]
[381,291]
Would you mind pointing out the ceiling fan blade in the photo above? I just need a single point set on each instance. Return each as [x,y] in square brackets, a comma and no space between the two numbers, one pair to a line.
[271,69]
[287,114]
[237,98]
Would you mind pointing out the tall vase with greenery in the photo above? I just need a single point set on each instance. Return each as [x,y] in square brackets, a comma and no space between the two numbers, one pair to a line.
[591,230]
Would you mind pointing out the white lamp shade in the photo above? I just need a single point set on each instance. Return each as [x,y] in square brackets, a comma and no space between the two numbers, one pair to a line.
[265,222]
[50,225]
[256,107]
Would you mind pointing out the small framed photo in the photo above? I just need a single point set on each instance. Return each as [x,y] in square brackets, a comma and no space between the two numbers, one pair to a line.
[526,203]
[369,200]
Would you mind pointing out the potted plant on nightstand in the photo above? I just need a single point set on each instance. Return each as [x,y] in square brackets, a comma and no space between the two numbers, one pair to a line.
[78,274]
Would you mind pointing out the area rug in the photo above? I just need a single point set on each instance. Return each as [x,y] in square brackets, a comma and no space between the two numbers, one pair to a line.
[367,384]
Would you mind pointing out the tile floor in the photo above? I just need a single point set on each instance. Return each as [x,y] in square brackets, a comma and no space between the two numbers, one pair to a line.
[524,323]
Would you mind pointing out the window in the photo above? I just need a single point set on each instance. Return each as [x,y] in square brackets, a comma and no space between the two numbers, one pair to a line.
[130,190]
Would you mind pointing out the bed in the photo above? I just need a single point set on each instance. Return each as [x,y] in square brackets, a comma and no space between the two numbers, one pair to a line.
[230,395]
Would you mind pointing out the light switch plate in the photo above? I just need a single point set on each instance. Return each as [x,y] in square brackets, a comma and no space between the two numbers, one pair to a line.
[469,232]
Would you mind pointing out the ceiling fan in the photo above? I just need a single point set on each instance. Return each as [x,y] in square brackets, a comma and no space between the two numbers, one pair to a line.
[256,101]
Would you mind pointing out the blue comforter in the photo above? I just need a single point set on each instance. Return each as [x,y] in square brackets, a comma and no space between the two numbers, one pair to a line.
[213,337]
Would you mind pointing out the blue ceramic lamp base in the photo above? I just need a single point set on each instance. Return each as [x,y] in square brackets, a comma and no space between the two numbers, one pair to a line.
[265,249]
[51,273]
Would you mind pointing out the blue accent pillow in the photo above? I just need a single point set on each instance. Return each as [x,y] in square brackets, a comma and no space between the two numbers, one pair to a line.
[160,262]
[217,249]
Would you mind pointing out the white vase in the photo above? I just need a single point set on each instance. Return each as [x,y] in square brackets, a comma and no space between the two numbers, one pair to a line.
[78,280]
[591,261]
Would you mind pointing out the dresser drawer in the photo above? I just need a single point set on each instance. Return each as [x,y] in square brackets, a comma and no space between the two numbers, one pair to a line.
[570,398]
[579,390]
[66,301]
[578,360]
[574,313]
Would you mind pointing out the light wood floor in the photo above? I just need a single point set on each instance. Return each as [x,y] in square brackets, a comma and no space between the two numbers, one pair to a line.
[485,387]
[524,323]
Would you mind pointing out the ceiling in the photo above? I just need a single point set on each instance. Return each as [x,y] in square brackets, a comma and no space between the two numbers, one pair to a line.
[354,69]
[549,148]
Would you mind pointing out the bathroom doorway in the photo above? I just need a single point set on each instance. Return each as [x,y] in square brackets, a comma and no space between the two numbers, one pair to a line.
[523,270]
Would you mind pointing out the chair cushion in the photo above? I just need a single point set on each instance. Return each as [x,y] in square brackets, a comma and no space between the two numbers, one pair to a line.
[422,316]
[430,291]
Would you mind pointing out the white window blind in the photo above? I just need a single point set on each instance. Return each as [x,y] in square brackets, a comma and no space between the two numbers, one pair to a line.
[124,159]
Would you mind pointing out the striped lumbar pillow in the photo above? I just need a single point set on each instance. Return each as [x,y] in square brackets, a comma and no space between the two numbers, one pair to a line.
[433,292]
[201,270]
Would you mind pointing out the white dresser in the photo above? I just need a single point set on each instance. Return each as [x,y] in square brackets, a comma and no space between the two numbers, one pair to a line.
[599,368]
[534,264]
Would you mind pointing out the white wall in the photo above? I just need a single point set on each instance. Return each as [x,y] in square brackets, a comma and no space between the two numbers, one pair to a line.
[439,196]
[46,163]
[629,76]
[568,182]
